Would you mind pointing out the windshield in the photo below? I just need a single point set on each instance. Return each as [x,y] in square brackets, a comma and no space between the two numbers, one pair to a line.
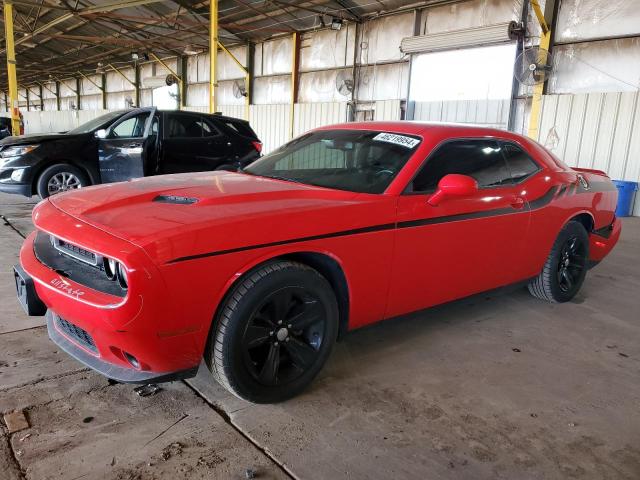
[361,161]
[97,123]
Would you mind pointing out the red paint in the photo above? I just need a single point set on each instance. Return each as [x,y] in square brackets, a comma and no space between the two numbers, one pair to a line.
[165,319]
[453,185]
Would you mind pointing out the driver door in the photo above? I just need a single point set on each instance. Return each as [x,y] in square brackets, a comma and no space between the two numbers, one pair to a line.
[464,245]
[122,153]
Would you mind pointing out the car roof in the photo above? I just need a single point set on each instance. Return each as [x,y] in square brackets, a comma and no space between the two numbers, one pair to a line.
[422,128]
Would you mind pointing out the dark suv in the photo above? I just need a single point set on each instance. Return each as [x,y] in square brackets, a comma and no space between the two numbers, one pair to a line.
[123,145]
[5,127]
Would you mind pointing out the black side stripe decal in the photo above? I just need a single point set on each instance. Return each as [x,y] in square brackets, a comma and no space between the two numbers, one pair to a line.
[534,205]
[355,231]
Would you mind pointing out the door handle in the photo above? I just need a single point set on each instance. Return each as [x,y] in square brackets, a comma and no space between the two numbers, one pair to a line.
[517,202]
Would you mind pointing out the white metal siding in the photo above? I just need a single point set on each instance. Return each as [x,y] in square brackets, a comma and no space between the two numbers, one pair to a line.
[595,130]
[488,113]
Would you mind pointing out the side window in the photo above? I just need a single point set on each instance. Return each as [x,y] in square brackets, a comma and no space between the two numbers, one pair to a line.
[480,159]
[184,126]
[519,163]
[208,128]
[132,127]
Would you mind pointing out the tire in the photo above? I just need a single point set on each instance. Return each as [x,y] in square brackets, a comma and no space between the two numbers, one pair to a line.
[66,176]
[263,361]
[566,267]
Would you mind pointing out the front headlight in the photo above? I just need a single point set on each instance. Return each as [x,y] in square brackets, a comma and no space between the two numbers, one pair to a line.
[17,151]
[122,276]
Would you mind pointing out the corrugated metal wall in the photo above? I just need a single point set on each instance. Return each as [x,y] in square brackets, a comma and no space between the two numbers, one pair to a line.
[54,121]
[595,130]
[488,113]
[271,122]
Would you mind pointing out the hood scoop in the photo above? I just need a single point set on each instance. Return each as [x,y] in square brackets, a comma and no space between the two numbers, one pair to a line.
[175,199]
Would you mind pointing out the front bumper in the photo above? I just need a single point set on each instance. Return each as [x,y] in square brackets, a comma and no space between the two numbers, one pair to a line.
[16,188]
[20,186]
[109,370]
[145,325]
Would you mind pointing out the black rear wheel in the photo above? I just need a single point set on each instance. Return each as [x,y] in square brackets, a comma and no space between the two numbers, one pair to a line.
[565,268]
[274,332]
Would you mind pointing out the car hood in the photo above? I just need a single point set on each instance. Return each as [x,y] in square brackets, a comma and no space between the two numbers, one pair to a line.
[173,216]
[35,138]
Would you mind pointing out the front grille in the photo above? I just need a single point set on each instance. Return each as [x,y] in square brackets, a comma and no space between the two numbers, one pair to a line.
[79,271]
[76,252]
[76,333]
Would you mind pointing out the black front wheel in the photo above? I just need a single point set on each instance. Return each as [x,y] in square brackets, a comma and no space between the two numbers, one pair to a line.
[565,268]
[60,178]
[274,332]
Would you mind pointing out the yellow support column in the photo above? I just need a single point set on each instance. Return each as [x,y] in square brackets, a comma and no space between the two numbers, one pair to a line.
[295,59]
[545,42]
[11,67]
[213,54]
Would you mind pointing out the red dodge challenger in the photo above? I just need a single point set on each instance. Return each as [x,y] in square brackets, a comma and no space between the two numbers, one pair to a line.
[260,272]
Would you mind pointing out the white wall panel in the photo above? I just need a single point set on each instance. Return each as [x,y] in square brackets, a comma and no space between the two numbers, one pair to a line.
[601,66]
[43,122]
[91,102]
[461,15]
[272,90]
[308,116]
[198,95]
[271,123]
[596,130]
[383,82]
[381,38]
[589,19]
[68,88]
[118,100]
[276,56]
[321,87]
[387,110]
[489,113]
[50,104]
[324,49]
[88,88]
[115,82]
[146,97]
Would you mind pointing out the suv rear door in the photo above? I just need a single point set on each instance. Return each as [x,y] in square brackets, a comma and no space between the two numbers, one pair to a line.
[191,144]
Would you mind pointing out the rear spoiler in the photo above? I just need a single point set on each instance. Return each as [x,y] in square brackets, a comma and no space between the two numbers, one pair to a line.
[590,170]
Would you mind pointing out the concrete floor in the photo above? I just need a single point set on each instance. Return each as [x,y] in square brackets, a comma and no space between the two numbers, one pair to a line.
[499,386]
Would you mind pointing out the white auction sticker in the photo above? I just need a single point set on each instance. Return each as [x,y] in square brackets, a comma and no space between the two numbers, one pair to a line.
[408,142]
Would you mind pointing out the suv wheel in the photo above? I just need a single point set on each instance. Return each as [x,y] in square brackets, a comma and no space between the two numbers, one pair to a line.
[60,178]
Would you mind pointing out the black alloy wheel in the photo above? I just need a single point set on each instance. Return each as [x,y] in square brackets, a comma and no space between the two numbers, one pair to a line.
[565,269]
[284,335]
[571,264]
[273,332]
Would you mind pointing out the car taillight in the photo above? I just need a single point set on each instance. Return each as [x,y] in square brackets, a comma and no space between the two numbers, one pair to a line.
[257,145]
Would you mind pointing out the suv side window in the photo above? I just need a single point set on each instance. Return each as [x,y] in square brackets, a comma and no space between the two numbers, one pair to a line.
[520,164]
[132,127]
[480,159]
[208,127]
[184,126]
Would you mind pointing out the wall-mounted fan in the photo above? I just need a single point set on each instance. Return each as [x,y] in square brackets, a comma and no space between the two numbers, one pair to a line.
[239,89]
[533,66]
[344,83]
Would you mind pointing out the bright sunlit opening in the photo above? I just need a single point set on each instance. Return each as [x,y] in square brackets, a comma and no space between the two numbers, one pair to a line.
[470,74]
